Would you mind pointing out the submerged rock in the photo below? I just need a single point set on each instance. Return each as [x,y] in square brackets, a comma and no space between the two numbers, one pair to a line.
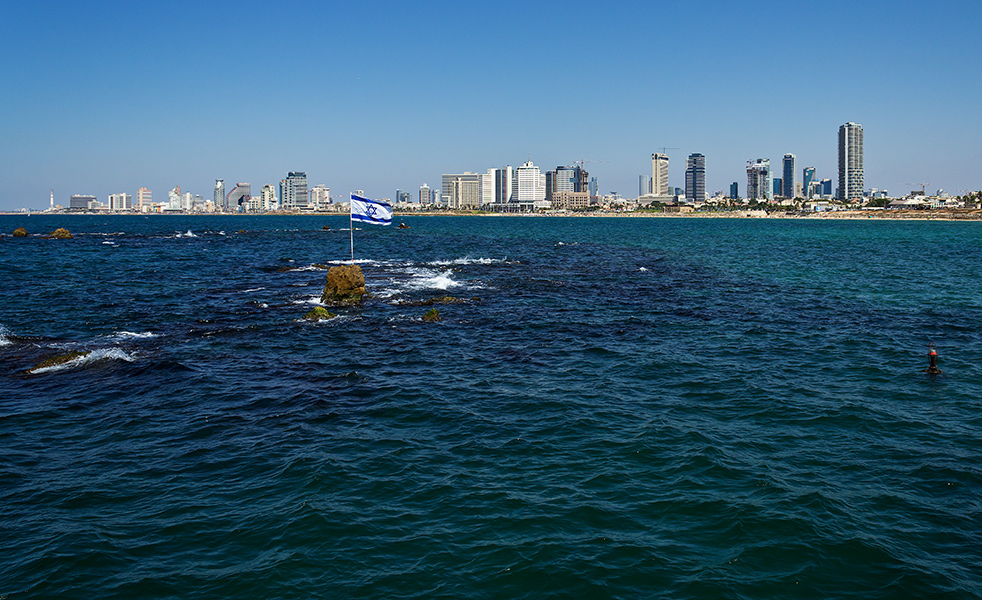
[319,314]
[20,232]
[62,234]
[54,361]
[345,285]
[432,315]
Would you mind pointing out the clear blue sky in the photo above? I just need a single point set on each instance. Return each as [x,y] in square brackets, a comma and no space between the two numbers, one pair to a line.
[105,97]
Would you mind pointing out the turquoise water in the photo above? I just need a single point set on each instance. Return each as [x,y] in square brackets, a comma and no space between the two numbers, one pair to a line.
[622,408]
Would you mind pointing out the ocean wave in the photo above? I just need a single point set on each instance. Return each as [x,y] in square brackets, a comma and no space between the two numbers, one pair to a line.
[258,289]
[187,234]
[100,355]
[5,336]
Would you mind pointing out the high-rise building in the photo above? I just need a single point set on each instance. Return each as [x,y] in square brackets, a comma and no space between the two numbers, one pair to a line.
[403,197]
[695,178]
[807,176]
[565,179]
[759,180]
[778,187]
[267,198]
[530,187]
[850,161]
[487,188]
[174,199]
[787,180]
[425,196]
[119,202]
[594,187]
[219,195]
[644,185]
[293,191]
[734,190]
[462,191]
[827,187]
[144,198]
[240,194]
[659,174]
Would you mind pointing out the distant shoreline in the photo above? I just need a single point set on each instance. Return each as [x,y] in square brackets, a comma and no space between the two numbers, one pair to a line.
[864,215]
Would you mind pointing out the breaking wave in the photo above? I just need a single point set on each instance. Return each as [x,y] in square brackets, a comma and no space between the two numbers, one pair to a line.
[95,356]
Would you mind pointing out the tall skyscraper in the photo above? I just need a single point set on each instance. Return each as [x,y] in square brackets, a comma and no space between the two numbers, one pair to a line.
[850,161]
[759,180]
[219,196]
[734,190]
[530,187]
[425,197]
[787,180]
[503,191]
[808,176]
[293,191]
[695,178]
[659,174]
[644,185]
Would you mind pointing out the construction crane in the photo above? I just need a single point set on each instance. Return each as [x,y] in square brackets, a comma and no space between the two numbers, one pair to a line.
[923,185]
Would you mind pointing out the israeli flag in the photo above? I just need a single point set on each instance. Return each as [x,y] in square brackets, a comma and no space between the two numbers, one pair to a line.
[370,211]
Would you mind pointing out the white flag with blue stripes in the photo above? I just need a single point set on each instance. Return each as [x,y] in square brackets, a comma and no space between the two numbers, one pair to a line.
[370,211]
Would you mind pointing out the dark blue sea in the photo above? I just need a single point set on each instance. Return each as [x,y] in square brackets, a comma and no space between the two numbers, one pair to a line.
[618,408]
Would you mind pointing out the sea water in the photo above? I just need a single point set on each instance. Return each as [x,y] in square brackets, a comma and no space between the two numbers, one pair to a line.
[615,408]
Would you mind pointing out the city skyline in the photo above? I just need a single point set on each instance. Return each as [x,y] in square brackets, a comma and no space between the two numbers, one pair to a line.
[178,106]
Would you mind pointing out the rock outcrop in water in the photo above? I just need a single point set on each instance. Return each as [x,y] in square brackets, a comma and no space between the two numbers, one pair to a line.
[62,234]
[20,232]
[319,314]
[54,361]
[432,315]
[345,285]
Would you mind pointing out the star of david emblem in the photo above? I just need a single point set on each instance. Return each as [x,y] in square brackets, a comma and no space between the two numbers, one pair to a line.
[371,210]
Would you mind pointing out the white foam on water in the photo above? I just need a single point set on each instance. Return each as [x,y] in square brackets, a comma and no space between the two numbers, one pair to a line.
[642,269]
[131,335]
[258,289]
[187,234]
[315,300]
[467,261]
[4,339]
[103,354]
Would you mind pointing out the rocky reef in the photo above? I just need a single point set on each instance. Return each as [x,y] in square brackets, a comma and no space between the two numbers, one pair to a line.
[319,314]
[62,234]
[20,232]
[345,286]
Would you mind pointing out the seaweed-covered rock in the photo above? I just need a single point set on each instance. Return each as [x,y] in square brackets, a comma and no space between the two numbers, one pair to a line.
[54,361]
[20,232]
[62,234]
[432,315]
[345,285]
[319,314]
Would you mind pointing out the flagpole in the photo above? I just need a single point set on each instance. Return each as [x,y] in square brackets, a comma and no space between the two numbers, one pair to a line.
[351,229]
